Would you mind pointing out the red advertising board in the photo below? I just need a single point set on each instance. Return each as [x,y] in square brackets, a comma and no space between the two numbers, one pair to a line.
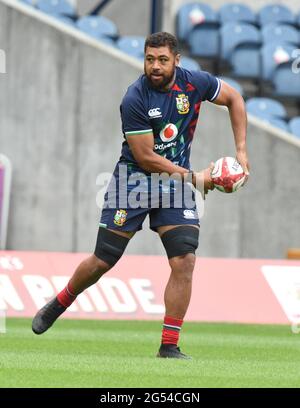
[224,290]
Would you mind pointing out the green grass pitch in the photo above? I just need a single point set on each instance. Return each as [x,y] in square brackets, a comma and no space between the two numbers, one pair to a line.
[115,354]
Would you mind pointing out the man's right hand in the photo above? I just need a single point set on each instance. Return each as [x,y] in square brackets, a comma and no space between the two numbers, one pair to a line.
[202,180]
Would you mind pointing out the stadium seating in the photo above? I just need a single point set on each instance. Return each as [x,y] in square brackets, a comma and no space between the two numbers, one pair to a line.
[132,45]
[245,60]
[192,14]
[64,19]
[234,34]
[279,123]
[266,107]
[272,55]
[29,2]
[203,40]
[286,82]
[272,120]
[56,7]
[294,126]
[280,32]
[108,41]
[190,64]
[236,12]
[275,13]
[238,41]
[97,27]
[234,84]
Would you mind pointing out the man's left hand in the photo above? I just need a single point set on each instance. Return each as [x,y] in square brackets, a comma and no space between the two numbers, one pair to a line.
[242,158]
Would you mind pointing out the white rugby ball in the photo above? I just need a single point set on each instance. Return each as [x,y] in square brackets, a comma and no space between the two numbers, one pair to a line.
[228,175]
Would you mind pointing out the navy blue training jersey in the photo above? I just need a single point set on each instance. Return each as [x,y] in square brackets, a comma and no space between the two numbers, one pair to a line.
[171,116]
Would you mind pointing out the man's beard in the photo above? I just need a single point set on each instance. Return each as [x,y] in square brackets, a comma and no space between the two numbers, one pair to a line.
[165,80]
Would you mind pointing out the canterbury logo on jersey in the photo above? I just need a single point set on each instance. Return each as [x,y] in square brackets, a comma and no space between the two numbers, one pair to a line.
[155,113]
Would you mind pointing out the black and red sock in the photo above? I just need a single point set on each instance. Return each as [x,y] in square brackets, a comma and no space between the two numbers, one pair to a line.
[66,297]
[171,330]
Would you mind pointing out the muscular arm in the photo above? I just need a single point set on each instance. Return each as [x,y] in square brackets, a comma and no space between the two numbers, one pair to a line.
[229,97]
[142,150]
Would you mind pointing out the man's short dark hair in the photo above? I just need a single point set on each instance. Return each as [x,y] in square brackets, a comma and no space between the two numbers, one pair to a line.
[162,39]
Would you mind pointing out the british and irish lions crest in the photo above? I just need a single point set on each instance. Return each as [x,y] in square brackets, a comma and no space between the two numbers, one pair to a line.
[120,217]
[183,104]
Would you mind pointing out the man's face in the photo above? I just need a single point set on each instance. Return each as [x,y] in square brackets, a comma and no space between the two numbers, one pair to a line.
[159,66]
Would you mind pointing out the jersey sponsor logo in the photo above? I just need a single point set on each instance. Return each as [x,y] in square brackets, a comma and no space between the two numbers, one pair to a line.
[163,146]
[155,113]
[189,214]
[168,133]
[183,104]
[120,217]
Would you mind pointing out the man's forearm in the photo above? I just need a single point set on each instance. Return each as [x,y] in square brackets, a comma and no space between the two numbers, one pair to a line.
[155,163]
[238,118]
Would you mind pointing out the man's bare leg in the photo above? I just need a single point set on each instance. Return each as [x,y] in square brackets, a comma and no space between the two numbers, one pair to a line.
[177,298]
[91,269]
[86,274]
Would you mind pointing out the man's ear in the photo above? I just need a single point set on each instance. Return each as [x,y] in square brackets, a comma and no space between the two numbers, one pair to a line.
[177,59]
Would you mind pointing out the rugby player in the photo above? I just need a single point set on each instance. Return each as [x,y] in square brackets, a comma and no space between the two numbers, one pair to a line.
[159,114]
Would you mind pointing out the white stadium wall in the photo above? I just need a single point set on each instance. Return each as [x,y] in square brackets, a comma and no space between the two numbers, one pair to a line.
[130,16]
[60,127]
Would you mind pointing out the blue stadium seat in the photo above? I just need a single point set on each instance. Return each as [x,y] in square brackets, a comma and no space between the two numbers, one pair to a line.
[238,87]
[275,13]
[56,7]
[236,12]
[193,14]
[286,82]
[273,32]
[294,125]
[279,123]
[266,107]
[245,60]
[190,64]
[273,55]
[64,19]
[97,27]
[233,34]
[108,41]
[132,45]
[204,40]
[262,115]
[28,2]
[272,120]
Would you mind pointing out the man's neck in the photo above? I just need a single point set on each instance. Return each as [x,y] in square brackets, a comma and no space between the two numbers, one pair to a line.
[170,84]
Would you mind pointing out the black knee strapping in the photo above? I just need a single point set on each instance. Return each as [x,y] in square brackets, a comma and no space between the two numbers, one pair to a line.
[110,246]
[180,240]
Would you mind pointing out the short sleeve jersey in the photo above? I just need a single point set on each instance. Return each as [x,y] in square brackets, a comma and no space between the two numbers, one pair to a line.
[171,116]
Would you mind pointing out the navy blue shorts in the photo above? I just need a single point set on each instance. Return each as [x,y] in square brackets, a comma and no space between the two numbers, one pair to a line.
[132,219]
[123,216]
